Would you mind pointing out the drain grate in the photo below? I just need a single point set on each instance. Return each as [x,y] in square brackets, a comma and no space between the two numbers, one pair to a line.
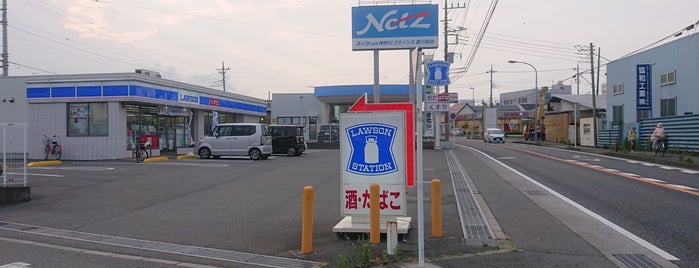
[473,222]
[636,261]
[209,253]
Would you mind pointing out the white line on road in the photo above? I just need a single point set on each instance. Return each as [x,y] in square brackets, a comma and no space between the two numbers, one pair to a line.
[684,187]
[76,168]
[45,175]
[654,180]
[188,164]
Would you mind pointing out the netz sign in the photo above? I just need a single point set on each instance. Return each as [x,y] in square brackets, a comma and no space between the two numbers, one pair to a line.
[395,27]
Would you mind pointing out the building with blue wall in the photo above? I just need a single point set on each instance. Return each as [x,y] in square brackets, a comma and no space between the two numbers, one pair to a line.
[656,83]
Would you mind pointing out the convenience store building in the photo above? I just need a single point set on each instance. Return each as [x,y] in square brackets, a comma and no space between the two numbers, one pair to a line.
[101,116]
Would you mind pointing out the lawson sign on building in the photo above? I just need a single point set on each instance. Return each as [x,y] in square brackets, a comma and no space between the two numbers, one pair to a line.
[395,27]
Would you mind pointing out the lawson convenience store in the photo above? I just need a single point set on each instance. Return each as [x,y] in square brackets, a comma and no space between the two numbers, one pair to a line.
[100,116]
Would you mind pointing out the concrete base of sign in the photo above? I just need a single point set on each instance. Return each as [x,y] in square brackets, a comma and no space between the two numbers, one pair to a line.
[361,224]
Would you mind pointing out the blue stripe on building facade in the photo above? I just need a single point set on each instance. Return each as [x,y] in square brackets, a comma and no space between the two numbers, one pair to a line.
[63,92]
[131,91]
[89,91]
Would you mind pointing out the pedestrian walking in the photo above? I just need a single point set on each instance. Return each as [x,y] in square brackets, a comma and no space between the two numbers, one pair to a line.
[632,138]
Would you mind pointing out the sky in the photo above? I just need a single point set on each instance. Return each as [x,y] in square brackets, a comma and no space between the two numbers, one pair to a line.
[291,46]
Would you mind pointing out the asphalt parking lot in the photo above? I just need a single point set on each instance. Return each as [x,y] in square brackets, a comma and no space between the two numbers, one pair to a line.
[232,204]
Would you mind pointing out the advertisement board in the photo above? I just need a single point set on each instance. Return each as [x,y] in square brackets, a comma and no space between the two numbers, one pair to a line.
[643,87]
[395,27]
[372,150]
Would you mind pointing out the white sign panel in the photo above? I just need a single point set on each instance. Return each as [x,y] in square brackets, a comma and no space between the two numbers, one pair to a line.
[372,150]
[451,97]
[436,106]
[355,199]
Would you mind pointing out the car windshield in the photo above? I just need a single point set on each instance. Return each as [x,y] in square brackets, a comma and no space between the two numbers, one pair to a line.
[496,131]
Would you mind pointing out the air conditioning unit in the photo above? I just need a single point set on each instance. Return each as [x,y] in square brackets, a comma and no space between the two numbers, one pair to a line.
[148,73]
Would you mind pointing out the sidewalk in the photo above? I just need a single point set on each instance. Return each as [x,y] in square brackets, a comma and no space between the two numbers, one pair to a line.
[670,158]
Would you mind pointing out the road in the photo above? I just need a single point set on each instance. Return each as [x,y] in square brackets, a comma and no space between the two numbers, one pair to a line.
[226,212]
[657,203]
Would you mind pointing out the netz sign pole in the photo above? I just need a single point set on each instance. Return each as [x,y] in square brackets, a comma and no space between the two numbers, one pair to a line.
[399,27]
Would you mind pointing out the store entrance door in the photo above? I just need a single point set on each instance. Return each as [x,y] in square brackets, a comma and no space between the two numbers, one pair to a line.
[166,134]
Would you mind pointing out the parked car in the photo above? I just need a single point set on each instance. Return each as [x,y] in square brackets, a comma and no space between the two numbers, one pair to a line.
[328,133]
[237,139]
[494,135]
[287,139]
[457,132]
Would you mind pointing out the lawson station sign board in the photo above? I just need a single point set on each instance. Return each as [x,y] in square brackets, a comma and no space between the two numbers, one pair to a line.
[373,149]
[395,27]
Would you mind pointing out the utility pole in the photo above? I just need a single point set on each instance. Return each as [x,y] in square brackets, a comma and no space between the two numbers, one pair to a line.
[446,35]
[5,61]
[447,128]
[491,85]
[222,71]
[594,93]
[575,113]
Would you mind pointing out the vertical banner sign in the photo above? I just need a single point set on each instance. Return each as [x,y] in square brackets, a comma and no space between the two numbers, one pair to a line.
[372,147]
[437,73]
[214,120]
[395,27]
[643,87]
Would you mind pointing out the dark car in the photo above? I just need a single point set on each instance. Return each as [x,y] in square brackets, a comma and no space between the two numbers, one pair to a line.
[328,133]
[287,139]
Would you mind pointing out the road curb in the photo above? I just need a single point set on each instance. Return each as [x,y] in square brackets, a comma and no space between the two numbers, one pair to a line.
[155,159]
[186,156]
[44,163]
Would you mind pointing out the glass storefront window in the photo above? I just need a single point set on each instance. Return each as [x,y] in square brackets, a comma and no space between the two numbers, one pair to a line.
[88,119]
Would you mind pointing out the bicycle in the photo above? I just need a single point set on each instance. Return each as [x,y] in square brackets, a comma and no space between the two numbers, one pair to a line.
[52,148]
[658,145]
[140,151]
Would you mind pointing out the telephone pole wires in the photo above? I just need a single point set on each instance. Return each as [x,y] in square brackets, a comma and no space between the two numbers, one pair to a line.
[222,71]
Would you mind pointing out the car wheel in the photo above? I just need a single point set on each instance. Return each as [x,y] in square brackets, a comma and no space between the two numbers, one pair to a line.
[204,153]
[291,151]
[255,154]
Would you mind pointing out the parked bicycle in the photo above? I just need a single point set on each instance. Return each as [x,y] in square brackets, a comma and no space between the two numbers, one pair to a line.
[51,148]
[141,151]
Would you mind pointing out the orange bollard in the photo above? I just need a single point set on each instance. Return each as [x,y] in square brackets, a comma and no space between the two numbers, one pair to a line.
[374,214]
[436,208]
[307,221]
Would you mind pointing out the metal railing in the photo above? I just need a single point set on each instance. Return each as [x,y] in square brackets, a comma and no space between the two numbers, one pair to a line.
[13,154]
[682,132]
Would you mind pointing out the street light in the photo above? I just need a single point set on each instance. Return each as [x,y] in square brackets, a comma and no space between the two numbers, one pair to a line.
[536,98]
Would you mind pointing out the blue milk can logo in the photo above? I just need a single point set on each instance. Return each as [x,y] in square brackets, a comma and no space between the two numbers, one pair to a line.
[371,153]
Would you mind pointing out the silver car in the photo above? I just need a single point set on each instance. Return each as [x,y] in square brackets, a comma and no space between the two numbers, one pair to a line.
[237,139]
[494,135]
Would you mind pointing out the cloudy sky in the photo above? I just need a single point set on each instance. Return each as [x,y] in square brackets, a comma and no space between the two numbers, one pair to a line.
[289,46]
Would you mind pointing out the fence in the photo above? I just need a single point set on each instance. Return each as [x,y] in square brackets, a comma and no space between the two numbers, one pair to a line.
[13,154]
[682,132]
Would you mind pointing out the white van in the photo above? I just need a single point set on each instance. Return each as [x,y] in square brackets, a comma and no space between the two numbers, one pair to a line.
[237,139]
